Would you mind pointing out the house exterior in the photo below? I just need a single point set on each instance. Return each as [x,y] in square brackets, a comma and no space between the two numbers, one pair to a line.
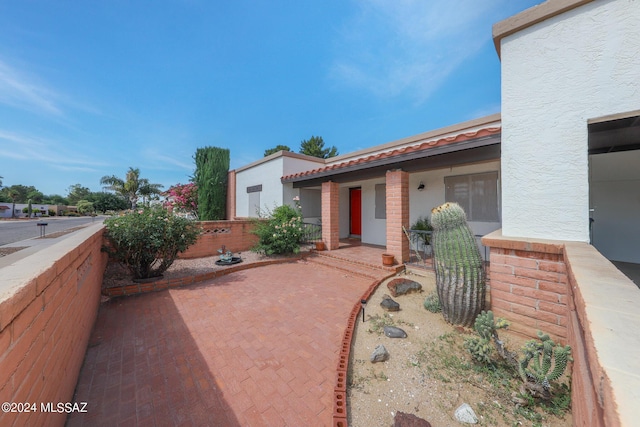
[37,209]
[354,195]
[257,187]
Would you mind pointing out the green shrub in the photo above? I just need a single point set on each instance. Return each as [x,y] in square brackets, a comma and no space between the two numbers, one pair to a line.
[280,232]
[52,212]
[148,241]
[422,224]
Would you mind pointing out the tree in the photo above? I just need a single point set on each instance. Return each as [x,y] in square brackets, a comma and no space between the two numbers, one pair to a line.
[21,192]
[130,187]
[183,198]
[103,202]
[35,196]
[275,149]
[55,199]
[85,207]
[212,168]
[314,146]
[77,192]
[12,194]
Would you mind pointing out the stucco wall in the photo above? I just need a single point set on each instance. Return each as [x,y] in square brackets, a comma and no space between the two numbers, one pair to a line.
[556,75]
[268,174]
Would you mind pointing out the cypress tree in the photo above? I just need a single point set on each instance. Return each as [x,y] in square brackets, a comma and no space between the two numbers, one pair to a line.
[212,167]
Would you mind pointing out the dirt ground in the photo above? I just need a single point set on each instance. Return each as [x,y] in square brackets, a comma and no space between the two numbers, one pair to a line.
[421,376]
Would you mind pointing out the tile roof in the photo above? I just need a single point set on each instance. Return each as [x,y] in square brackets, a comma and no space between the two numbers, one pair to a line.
[450,140]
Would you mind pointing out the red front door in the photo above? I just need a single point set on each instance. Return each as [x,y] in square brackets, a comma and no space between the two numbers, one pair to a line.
[355,197]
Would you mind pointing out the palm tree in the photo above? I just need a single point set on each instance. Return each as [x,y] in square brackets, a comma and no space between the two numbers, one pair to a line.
[13,194]
[132,187]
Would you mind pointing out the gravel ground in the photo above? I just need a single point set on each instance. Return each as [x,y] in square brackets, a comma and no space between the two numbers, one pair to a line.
[412,381]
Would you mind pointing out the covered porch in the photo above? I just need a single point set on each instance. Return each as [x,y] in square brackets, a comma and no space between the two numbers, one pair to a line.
[375,196]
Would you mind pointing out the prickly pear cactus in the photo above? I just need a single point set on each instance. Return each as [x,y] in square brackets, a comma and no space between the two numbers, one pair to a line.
[536,362]
[460,277]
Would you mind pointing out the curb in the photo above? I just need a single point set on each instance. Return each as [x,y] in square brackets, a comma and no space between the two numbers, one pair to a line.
[342,369]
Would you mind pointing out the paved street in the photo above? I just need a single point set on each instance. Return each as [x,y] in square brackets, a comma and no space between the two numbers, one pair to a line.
[12,231]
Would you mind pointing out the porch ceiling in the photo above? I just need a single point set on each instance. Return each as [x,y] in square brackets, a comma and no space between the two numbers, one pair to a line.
[479,149]
[614,135]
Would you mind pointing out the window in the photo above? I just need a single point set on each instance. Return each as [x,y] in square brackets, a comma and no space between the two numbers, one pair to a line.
[254,200]
[381,201]
[476,193]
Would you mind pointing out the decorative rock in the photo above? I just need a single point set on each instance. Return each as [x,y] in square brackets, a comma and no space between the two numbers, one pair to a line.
[389,304]
[403,286]
[465,414]
[393,332]
[409,420]
[380,354]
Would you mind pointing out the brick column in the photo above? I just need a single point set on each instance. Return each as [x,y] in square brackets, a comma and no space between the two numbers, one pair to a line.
[397,214]
[231,195]
[330,215]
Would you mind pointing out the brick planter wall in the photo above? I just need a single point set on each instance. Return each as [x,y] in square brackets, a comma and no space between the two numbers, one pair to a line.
[48,306]
[569,290]
[530,288]
[234,235]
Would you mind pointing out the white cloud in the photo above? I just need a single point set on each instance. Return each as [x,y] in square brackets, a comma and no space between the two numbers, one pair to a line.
[410,46]
[42,151]
[18,89]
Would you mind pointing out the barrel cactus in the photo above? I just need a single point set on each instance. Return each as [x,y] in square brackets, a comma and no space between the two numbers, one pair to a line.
[460,277]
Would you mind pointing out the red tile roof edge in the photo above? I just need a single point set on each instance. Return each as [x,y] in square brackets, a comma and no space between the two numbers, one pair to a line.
[398,151]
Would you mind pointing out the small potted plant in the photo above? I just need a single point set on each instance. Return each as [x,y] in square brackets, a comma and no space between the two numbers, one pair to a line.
[422,239]
[388,260]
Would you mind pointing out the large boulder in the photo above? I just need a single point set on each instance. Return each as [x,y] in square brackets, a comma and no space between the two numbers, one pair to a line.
[403,286]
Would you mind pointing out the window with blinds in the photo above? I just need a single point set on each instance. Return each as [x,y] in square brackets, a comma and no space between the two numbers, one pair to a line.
[476,193]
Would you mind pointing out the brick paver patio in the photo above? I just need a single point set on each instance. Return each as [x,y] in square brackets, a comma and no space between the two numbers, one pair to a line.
[255,348]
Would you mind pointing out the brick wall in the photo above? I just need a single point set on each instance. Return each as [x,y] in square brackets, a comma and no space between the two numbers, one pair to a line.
[530,288]
[397,214]
[569,290]
[48,306]
[330,215]
[234,235]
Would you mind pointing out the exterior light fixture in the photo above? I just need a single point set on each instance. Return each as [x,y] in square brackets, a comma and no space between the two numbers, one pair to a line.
[363,302]
[421,186]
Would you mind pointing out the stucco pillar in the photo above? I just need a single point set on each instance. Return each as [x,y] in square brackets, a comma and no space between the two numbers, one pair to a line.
[397,214]
[330,215]
[231,195]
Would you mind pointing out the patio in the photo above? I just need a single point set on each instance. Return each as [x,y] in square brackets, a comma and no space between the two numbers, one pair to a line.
[255,347]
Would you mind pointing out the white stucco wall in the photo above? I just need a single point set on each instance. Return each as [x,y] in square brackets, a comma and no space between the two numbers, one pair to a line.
[268,174]
[557,74]
[615,200]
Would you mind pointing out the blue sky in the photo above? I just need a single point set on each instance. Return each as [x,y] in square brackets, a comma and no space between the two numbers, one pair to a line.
[88,89]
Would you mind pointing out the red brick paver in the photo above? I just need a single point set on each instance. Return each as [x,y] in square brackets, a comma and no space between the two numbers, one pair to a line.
[255,348]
